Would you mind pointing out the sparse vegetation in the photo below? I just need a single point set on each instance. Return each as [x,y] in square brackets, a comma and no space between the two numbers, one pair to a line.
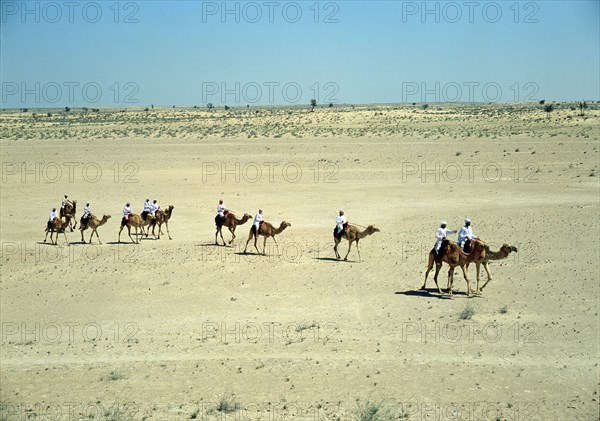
[114,376]
[468,312]
[503,309]
[228,404]
[378,411]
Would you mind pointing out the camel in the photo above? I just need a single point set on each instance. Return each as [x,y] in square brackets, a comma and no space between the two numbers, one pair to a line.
[136,222]
[58,225]
[352,234]
[231,222]
[93,223]
[162,217]
[70,210]
[488,255]
[454,256]
[267,230]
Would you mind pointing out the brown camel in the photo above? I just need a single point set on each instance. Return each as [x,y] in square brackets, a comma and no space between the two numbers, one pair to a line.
[93,223]
[136,222]
[58,225]
[231,222]
[70,210]
[454,256]
[162,217]
[352,234]
[267,230]
[488,255]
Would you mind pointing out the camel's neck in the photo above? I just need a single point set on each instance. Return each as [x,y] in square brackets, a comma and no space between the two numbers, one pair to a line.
[280,229]
[363,234]
[496,255]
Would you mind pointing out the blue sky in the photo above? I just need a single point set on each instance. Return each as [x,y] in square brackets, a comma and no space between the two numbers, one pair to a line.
[187,53]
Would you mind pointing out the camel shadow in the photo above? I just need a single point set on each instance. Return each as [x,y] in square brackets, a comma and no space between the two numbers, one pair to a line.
[334,259]
[429,293]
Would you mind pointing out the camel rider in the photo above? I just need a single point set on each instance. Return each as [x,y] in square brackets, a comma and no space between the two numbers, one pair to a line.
[221,211]
[126,214]
[341,224]
[154,208]
[466,237]
[87,212]
[64,204]
[147,209]
[258,220]
[53,216]
[440,234]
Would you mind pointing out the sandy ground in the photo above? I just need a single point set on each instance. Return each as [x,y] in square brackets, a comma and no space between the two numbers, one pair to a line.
[181,329]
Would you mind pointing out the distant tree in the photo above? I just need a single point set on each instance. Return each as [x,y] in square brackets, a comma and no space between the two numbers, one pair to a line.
[195,106]
[67,109]
[49,114]
[226,108]
[425,106]
[173,106]
[582,106]
[548,108]
[542,102]
[152,106]
[313,104]
[247,105]
[414,103]
[331,105]
[146,109]
[210,106]
[24,110]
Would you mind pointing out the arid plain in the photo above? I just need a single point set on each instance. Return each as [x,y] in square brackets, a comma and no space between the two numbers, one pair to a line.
[182,329]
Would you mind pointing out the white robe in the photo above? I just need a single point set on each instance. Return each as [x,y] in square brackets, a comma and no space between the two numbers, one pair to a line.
[440,234]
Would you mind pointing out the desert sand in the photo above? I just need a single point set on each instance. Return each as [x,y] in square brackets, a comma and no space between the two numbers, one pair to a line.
[182,329]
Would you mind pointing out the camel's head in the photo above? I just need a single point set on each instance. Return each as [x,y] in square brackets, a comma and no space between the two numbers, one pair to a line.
[247,216]
[107,217]
[372,229]
[507,248]
[171,207]
[285,224]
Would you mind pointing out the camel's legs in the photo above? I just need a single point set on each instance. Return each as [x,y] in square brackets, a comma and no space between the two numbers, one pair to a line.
[46,237]
[65,234]
[129,233]
[265,246]
[232,231]
[349,247]
[464,270]
[429,267]
[478,270]
[168,233]
[120,232]
[489,275]
[81,229]
[255,241]
[335,247]
[450,280]
[250,235]
[438,267]
[358,250]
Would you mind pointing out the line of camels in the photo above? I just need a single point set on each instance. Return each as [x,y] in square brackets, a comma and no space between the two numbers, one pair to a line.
[453,255]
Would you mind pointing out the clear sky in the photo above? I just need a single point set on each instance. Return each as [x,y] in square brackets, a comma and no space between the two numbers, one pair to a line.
[185,53]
